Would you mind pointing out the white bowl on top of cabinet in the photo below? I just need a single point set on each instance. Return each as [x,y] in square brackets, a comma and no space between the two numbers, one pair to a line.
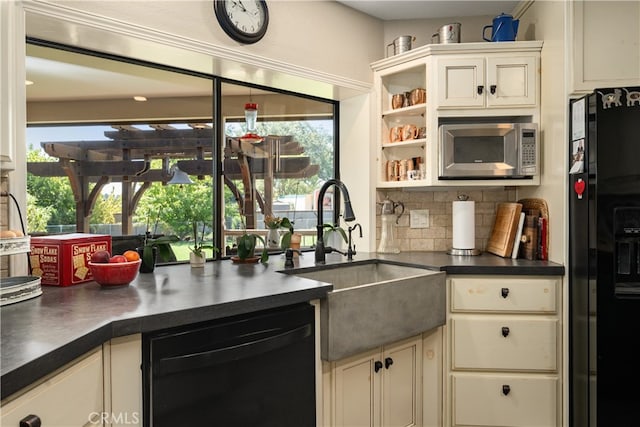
[503,351]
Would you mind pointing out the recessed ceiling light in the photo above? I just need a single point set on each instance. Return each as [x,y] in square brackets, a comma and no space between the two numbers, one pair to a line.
[28,82]
[140,98]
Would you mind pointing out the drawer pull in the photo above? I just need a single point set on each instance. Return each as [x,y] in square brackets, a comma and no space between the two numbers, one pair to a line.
[377,365]
[505,331]
[30,421]
[506,389]
[388,362]
[504,292]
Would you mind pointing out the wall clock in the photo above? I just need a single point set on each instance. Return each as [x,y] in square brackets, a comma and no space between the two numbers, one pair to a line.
[243,20]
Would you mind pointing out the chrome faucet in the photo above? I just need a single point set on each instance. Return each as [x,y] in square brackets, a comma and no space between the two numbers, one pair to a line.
[348,215]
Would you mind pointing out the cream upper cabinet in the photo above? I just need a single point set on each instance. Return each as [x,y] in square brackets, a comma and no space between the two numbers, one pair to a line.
[504,351]
[604,44]
[382,387]
[72,397]
[487,82]
[12,95]
[442,84]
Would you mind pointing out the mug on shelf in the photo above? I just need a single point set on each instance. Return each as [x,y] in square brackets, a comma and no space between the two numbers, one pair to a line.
[407,99]
[418,96]
[409,131]
[396,133]
[413,175]
[422,132]
[397,100]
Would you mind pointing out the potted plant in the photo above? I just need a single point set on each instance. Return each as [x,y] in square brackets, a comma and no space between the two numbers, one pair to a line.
[273,224]
[197,257]
[331,231]
[154,248]
[247,247]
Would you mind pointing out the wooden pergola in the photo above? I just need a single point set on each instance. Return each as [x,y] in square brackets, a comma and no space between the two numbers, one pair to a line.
[126,158]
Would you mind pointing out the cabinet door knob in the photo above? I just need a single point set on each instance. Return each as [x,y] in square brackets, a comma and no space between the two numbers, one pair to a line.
[506,389]
[505,331]
[30,421]
[388,362]
[480,89]
[504,292]
[492,89]
[377,365]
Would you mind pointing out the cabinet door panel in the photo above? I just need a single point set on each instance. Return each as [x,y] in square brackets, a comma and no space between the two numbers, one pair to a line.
[593,52]
[356,391]
[458,81]
[479,342]
[401,390]
[506,400]
[514,80]
[512,295]
[71,398]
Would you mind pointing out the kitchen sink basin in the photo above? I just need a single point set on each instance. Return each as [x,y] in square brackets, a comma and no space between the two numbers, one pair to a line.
[375,303]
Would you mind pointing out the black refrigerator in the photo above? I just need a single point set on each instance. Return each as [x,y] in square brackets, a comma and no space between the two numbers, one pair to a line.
[604,258]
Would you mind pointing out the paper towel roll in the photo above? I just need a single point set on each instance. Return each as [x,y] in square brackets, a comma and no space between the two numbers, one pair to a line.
[464,229]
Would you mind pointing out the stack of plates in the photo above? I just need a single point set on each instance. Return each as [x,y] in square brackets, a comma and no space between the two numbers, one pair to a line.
[19,288]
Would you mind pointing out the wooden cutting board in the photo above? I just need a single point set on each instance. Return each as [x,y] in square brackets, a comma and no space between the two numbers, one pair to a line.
[504,229]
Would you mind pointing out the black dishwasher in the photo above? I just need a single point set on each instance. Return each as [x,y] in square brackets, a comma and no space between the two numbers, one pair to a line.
[249,370]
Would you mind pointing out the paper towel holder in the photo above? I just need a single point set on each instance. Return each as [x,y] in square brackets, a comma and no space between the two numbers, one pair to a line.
[463,252]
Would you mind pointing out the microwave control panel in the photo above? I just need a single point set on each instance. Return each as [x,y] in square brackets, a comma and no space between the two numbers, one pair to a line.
[528,152]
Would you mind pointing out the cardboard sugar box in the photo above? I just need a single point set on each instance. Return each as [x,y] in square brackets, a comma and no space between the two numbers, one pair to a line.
[63,260]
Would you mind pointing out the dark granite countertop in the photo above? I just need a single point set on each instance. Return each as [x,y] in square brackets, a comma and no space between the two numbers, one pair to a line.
[45,333]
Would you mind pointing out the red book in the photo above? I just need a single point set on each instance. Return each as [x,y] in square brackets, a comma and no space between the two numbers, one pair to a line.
[542,232]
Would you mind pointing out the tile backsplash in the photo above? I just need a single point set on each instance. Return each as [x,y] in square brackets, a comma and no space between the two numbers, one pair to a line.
[439,233]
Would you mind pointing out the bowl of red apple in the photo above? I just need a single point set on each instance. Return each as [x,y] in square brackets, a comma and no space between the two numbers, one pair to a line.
[114,270]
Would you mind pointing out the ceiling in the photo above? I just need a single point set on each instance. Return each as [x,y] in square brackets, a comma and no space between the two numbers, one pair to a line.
[389,10]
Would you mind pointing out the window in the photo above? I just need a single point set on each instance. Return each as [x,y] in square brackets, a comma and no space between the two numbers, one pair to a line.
[100,162]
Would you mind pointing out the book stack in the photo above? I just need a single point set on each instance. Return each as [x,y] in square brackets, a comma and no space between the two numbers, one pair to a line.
[534,240]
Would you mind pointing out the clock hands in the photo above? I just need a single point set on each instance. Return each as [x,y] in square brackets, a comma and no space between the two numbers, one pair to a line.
[239,3]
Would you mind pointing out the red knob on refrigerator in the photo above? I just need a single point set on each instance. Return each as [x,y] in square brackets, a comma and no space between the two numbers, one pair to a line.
[579,187]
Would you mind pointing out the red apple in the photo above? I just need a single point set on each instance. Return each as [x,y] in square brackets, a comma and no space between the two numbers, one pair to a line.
[118,258]
[101,257]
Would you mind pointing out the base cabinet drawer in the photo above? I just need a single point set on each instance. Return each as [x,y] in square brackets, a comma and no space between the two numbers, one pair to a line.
[517,294]
[504,343]
[71,398]
[505,400]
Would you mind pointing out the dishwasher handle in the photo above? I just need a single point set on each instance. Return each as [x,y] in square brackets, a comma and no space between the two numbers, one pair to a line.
[187,362]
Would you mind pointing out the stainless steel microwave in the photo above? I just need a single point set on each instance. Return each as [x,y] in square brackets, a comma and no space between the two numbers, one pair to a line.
[488,151]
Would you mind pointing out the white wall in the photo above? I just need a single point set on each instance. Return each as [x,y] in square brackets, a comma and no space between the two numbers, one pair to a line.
[320,39]
[545,20]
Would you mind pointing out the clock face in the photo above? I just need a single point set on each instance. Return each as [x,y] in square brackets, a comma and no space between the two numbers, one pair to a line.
[243,20]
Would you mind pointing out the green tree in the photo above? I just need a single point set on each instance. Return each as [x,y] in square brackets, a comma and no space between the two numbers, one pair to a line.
[37,216]
[177,206]
[105,209]
[51,192]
